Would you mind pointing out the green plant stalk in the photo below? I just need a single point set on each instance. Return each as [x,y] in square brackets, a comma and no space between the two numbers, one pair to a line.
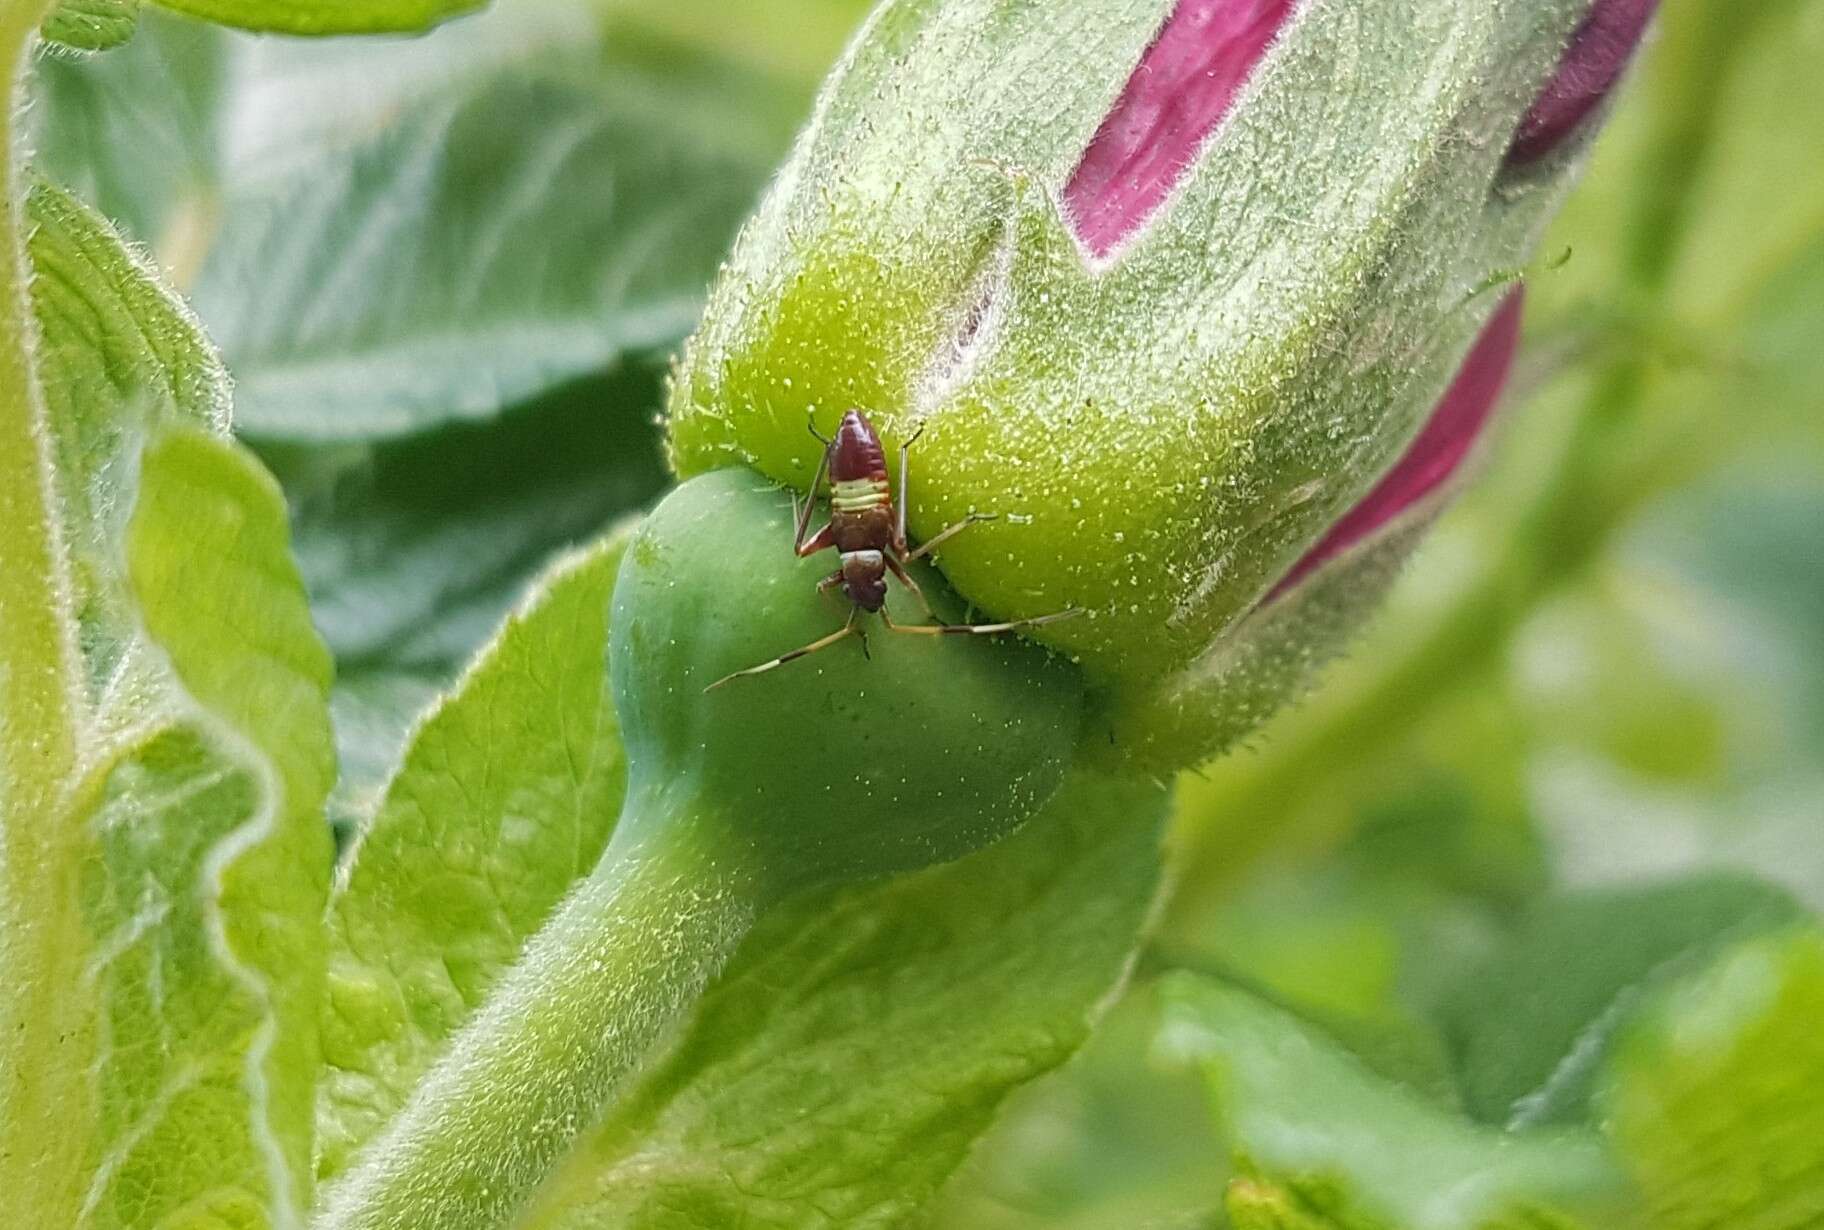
[925,750]
[623,959]
[42,1019]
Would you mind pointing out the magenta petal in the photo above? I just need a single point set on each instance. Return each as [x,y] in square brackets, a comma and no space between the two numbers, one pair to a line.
[1178,93]
[1439,448]
[1599,51]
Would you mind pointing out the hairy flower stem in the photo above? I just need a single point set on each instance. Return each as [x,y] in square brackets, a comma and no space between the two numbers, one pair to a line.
[925,750]
[624,958]
[45,1089]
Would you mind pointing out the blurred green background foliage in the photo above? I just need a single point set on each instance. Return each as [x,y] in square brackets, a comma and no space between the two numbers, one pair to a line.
[1512,916]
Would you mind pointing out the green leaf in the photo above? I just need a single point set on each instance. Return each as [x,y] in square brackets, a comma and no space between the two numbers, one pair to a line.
[177,1081]
[1113,1139]
[415,549]
[1712,1099]
[235,790]
[1326,1144]
[119,354]
[478,252]
[386,237]
[1532,1027]
[326,16]
[505,798]
[861,1040]
[135,133]
[1348,954]
[91,25]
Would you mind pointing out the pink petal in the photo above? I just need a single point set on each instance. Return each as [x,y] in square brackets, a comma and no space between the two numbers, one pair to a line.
[1599,51]
[1440,447]
[1178,93]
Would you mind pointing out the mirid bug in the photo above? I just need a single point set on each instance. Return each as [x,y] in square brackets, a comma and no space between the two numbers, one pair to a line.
[867,526]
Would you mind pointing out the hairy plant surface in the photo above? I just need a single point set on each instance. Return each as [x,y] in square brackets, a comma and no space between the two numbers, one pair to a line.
[395,436]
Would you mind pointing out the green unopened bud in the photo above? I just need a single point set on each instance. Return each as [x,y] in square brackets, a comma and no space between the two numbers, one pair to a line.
[1167,289]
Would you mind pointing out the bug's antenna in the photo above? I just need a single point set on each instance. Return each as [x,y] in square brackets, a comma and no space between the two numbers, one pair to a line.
[848,629]
[810,423]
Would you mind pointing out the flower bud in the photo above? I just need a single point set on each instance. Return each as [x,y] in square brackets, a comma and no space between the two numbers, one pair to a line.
[1598,53]
[1166,289]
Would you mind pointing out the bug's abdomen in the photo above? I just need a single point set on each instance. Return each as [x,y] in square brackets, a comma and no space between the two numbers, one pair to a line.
[854,495]
[855,453]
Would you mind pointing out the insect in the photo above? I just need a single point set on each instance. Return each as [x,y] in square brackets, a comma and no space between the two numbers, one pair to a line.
[867,526]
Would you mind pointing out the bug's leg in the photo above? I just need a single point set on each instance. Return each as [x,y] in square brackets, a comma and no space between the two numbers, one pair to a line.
[847,629]
[1037,621]
[943,536]
[830,584]
[801,513]
[905,578]
[822,540]
[899,495]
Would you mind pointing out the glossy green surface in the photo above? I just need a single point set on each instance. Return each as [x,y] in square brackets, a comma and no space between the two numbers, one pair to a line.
[838,766]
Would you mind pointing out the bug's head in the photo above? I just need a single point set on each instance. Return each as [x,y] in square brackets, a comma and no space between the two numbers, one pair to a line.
[864,578]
